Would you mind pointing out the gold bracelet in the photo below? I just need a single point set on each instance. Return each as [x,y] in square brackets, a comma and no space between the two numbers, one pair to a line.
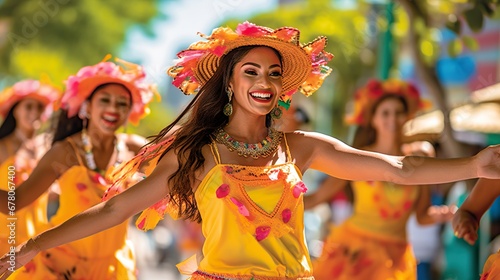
[36,245]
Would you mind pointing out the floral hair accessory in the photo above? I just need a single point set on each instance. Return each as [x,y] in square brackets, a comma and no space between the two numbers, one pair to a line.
[80,86]
[41,91]
[304,66]
[368,96]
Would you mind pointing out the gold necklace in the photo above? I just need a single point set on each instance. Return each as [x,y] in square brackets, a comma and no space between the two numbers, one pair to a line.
[265,148]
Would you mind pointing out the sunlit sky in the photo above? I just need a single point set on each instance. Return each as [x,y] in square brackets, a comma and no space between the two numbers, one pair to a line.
[184,18]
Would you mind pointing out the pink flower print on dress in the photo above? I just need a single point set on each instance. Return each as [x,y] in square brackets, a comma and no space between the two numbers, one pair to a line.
[383,213]
[97,178]
[229,170]
[407,205]
[222,191]
[262,232]
[141,224]
[81,186]
[298,189]
[286,215]
[241,208]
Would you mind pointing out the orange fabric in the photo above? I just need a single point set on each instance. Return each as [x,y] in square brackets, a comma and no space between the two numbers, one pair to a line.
[105,255]
[491,269]
[383,208]
[27,221]
[372,243]
[351,253]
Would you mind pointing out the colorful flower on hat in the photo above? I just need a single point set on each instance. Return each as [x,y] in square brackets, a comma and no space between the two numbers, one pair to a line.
[42,91]
[224,39]
[80,86]
[367,96]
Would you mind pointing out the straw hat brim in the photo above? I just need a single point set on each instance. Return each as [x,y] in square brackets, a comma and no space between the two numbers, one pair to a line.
[296,63]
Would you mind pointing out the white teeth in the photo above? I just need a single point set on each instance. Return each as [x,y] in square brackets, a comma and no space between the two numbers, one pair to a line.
[261,95]
[109,119]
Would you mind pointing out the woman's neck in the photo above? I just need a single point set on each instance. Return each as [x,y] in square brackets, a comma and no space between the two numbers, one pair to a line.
[101,141]
[390,146]
[23,135]
[247,132]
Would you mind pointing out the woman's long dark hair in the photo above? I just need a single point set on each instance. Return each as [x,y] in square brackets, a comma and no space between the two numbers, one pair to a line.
[366,135]
[67,126]
[9,124]
[201,118]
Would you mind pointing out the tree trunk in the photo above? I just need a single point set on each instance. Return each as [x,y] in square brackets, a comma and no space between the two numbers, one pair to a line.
[428,76]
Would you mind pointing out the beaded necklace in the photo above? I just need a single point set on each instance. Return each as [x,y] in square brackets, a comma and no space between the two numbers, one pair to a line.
[89,155]
[265,148]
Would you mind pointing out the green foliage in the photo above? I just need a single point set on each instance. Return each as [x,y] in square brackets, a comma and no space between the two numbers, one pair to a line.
[457,16]
[475,18]
[57,37]
[473,13]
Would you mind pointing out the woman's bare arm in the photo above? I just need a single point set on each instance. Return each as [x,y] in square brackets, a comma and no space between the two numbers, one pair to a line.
[114,211]
[331,156]
[58,159]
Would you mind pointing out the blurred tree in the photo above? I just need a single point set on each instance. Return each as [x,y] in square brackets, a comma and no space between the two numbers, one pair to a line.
[424,18]
[349,36]
[57,37]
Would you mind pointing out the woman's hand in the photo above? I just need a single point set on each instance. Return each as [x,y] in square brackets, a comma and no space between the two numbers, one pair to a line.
[488,162]
[17,258]
[465,225]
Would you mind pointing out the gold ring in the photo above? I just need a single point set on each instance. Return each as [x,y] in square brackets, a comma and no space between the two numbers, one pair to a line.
[456,233]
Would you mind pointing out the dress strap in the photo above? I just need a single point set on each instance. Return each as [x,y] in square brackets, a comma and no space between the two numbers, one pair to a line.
[73,145]
[288,154]
[215,152]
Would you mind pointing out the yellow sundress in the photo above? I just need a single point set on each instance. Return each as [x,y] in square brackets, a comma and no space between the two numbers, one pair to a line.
[106,255]
[252,223]
[372,243]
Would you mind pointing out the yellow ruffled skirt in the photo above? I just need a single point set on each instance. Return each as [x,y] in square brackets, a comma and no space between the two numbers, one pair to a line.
[350,253]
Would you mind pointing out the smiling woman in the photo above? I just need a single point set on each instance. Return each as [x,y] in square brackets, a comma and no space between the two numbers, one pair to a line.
[23,108]
[98,100]
[250,205]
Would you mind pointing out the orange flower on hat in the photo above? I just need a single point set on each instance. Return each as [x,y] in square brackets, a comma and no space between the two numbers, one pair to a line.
[367,96]
[44,92]
[80,86]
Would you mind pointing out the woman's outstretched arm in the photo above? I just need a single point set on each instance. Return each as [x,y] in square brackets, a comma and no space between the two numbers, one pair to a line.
[100,217]
[331,156]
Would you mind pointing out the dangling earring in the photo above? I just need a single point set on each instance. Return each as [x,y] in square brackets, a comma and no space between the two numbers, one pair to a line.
[82,114]
[276,113]
[228,108]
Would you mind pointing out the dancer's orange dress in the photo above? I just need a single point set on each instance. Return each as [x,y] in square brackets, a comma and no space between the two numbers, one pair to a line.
[106,255]
[26,222]
[372,243]
[491,269]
